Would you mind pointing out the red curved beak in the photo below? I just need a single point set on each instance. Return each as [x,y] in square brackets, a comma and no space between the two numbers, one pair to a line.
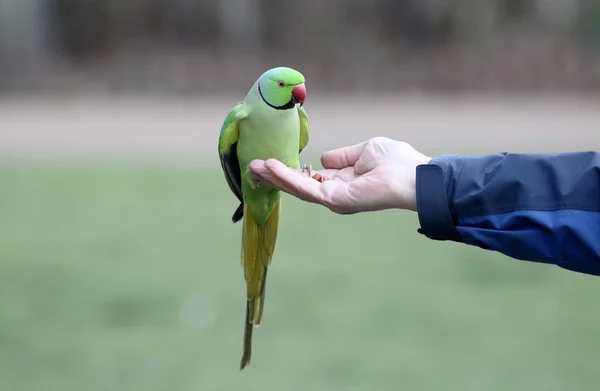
[299,94]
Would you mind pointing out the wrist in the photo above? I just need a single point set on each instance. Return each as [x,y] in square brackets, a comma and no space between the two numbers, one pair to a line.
[411,195]
[432,203]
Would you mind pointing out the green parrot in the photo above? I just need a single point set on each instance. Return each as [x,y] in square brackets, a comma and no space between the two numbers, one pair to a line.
[269,123]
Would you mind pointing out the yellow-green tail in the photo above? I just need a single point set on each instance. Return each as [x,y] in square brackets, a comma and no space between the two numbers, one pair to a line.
[258,244]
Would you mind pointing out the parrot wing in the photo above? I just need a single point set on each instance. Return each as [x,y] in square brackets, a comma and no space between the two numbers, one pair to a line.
[304,128]
[228,139]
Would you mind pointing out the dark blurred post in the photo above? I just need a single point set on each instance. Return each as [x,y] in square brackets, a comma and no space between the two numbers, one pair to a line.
[23,40]
[240,22]
[240,45]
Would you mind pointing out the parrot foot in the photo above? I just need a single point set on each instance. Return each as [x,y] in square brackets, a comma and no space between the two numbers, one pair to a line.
[307,167]
[254,183]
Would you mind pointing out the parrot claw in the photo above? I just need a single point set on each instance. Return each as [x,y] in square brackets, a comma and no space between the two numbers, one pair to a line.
[254,183]
[307,167]
[317,176]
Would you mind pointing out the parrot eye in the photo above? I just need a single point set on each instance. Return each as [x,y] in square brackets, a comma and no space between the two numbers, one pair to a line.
[280,83]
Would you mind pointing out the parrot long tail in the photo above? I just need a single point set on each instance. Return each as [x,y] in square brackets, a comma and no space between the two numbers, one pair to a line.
[247,353]
[258,244]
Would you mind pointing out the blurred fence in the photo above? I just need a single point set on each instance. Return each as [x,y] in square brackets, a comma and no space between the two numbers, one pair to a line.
[195,46]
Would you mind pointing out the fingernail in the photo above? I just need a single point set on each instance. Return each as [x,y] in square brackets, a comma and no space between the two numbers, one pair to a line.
[268,163]
[254,163]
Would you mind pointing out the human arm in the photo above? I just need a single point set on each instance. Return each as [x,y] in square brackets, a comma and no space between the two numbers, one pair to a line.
[535,207]
[541,208]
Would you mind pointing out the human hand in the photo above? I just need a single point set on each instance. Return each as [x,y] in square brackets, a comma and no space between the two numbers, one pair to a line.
[374,175]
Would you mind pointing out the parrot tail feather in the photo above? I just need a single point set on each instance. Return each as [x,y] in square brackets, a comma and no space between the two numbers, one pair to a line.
[258,244]
[262,301]
[247,353]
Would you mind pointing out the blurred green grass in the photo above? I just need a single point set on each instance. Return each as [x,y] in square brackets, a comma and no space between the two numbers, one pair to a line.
[125,277]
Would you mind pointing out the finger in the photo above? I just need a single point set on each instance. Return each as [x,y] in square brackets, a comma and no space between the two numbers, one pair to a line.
[283,178]
[257,167]
[342,157]
[261,173]
[363,165]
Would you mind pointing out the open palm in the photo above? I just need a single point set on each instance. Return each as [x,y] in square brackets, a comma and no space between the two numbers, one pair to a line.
[374,175]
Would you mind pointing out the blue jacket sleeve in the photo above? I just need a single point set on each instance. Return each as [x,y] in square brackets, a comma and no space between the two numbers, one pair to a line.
[534,207]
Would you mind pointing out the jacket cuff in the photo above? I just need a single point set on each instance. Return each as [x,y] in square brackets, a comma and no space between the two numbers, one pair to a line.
[433,205]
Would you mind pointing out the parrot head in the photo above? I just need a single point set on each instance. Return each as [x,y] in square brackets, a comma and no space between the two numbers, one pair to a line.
[282,87]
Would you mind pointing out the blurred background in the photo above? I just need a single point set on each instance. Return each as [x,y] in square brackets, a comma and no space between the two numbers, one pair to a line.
[119,265]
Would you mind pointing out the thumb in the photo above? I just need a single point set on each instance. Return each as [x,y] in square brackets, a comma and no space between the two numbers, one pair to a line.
[342,157]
